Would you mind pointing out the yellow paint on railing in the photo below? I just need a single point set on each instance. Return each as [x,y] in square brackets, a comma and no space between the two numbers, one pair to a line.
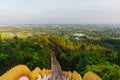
[16,72]
[35,73]
[76,76]
[91,76]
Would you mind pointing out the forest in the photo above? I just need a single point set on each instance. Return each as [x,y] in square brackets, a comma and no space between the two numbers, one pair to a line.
[97,53]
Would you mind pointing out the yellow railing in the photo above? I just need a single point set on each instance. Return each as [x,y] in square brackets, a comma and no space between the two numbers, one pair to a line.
[22,70]
[17,72]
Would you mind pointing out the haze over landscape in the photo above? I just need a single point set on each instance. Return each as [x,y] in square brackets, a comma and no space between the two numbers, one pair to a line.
[59,11]
[60,39]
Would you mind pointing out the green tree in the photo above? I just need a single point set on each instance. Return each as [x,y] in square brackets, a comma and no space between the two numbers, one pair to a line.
[106,71]
[90,58]
[6,47]
[20,56]
[4,59]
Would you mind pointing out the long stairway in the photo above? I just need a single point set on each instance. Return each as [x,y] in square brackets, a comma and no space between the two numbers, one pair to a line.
[56,74]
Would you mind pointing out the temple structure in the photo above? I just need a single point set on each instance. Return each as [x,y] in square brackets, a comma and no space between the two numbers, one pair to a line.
[22,72]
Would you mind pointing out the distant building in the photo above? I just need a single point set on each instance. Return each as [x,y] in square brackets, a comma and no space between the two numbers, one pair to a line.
[79,36]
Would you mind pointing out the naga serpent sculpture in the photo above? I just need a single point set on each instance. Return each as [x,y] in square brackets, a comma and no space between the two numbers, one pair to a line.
[22,72]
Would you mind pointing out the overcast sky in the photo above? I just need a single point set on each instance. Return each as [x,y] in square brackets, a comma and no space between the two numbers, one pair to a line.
[59,11]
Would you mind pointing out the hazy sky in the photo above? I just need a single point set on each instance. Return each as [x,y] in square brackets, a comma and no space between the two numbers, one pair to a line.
[59,11]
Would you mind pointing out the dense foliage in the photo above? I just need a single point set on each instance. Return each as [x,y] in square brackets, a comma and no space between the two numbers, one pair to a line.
[72,55]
